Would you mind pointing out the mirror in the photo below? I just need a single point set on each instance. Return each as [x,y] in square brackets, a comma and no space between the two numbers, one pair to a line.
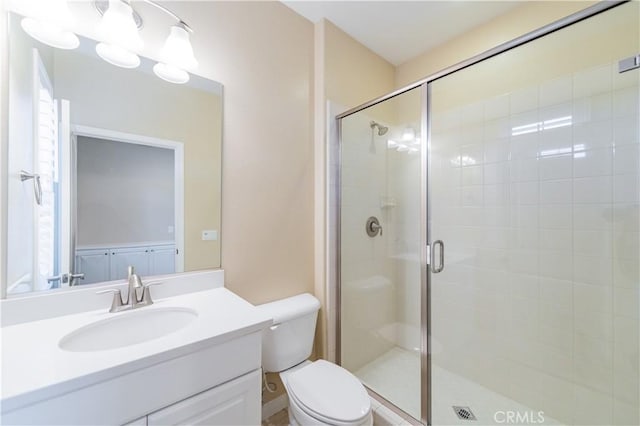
[107,167]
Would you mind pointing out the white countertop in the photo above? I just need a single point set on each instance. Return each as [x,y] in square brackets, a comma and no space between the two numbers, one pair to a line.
[35,368]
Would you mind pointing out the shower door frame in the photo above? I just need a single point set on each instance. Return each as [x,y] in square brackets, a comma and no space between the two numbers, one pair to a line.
[425,217]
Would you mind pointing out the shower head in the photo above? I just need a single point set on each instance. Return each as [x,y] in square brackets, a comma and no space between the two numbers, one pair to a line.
[382,130]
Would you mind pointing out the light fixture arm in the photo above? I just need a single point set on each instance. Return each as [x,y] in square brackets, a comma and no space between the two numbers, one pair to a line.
[170,13]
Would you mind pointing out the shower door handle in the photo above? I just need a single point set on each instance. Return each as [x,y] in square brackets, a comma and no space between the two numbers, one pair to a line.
[437,269]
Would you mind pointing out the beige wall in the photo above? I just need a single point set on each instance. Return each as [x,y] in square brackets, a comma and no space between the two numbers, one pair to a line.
[263,54]
[519,21]
[353,74]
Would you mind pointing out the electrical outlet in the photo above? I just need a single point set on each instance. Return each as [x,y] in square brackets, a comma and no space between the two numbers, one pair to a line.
[209,235]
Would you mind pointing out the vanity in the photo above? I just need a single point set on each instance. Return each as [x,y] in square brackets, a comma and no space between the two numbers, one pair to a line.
[190,358]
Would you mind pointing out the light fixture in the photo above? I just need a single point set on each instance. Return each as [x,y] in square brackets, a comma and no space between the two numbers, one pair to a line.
[117,55]
[176,55]
[49,24]
[119,36]
[170,73]
[119,39]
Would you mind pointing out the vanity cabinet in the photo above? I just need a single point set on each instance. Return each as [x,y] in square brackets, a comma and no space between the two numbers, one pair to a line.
[121,259]
[233,403]
[162,260]
[94,264]
[215,385]
[110,263]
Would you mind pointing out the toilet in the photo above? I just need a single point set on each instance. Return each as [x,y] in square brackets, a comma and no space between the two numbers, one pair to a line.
[320,392]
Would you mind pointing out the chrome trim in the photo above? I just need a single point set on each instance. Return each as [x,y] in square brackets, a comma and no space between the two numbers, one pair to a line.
[338,251]
[425,293]
[73,277]
[170,13]
[437,269]
[37,184]
[103,5]
[391,406]
[628,64]
[530,36]
[373,227]
[73,210]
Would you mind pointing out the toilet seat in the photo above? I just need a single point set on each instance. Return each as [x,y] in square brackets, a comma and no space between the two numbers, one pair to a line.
[329,393]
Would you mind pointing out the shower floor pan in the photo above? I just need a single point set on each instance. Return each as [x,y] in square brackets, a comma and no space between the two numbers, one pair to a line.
[394,375]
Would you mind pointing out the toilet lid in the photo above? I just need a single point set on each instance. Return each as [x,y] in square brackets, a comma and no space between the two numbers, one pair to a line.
[330,391]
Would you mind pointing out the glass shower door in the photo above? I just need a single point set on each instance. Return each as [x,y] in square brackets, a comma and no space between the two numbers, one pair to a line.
[534,188]
[380,257]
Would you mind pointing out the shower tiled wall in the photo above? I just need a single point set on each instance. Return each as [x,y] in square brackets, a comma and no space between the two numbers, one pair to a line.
[536,195]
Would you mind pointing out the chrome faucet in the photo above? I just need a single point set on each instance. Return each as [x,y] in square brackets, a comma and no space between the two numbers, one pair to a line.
[132,301]
[134,284]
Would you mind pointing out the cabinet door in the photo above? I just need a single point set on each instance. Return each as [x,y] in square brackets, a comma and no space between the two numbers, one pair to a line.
[233,403]
[162,260]
[122,258]
[94,265]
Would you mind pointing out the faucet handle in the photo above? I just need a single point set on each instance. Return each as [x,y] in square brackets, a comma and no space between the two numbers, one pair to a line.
[146,294]
[116,303]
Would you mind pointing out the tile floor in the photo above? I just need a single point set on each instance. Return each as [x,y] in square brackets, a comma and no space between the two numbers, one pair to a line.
[281,418]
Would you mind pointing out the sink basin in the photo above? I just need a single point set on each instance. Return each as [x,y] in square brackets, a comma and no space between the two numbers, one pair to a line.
[128,328]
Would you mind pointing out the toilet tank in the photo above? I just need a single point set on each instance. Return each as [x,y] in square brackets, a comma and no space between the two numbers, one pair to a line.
[289,340]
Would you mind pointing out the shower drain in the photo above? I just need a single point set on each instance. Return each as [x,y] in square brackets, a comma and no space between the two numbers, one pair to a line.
[464,413]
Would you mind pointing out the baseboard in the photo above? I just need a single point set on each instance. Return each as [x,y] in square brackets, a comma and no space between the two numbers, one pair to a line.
[275,405]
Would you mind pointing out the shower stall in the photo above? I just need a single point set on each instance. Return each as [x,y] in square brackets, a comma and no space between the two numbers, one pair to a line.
[488,232]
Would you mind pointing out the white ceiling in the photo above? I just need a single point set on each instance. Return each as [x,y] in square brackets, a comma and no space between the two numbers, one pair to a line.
[401,30]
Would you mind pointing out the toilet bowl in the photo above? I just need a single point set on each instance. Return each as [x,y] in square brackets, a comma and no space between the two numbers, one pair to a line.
[320,392]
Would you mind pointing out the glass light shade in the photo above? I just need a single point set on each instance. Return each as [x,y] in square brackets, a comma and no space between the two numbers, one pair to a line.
[117,55]
[171,73]
[177,50]
[48,21]
[50,34]
[118,28]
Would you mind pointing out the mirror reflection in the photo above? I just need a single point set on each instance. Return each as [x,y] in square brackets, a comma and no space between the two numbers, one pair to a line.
[108,167]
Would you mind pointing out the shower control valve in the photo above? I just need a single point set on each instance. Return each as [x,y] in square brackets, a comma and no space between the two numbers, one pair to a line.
[373,227]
